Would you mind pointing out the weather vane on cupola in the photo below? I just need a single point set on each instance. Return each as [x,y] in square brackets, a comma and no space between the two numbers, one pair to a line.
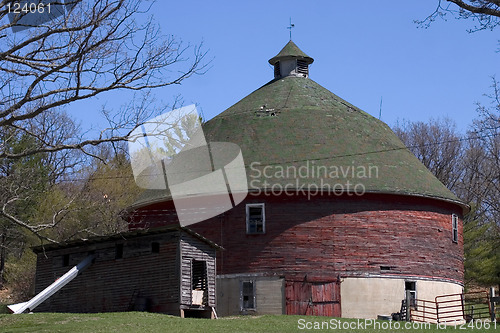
[290,28]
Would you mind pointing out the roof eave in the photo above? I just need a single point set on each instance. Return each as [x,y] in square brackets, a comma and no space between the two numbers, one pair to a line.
[130,234]
[275,59]
[465,207]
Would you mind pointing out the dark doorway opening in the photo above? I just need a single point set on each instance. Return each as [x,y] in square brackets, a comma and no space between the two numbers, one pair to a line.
[199,282]
[411,288]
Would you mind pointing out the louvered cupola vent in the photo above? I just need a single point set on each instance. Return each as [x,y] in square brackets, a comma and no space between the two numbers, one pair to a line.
[291,61]
[302,67]
[277,71]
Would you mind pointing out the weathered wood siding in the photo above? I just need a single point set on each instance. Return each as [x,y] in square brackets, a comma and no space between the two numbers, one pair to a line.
[141,280]
[326,236]
[194,248]
[313,298]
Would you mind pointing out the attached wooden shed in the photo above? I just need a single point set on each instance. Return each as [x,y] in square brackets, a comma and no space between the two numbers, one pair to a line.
[168,270]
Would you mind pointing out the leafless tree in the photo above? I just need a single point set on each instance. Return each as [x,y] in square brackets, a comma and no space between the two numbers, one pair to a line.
[94,48]
[486,134]
[486,13]
[26,180]
[97,47]
[437,145]
[96,196]
[469,165]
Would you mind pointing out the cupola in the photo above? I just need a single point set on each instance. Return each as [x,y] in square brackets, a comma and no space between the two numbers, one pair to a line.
[291,61]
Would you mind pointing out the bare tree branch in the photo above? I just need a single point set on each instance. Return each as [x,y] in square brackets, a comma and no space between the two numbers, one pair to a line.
[97,48]
[485,12]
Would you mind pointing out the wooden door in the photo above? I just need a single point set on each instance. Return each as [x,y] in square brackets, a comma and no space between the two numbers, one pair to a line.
[313,298]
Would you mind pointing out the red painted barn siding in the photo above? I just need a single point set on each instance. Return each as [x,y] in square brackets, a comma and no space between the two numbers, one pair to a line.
[350,236]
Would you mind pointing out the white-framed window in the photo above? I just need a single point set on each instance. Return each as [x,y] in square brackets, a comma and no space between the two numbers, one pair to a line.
[454,228]
[256,219]
[247,295]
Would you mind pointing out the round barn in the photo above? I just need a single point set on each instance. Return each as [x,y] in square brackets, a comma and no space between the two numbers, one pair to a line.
[341,219]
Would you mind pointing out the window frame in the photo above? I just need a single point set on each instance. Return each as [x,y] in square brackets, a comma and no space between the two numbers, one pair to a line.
[253,295]
[454,228]
[413,292]
[247,211]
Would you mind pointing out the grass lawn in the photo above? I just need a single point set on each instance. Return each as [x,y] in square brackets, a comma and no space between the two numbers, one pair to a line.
[150,322]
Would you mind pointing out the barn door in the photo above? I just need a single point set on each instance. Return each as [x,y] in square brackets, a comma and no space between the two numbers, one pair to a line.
[313,298]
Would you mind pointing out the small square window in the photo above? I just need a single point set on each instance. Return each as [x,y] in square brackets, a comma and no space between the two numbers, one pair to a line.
[256,219]
[411,287]
[247,290]
[302,67]
[155,247]
[65,260]
[118,251]
[454,228]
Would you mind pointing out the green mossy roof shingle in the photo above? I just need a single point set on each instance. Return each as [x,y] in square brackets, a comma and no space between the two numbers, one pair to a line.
[291,51]
[294,122]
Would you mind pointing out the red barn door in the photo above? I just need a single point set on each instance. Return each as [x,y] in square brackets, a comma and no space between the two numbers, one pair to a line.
[313,298]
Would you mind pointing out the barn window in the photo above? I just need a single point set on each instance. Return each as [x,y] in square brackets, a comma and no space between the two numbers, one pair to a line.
[118,251]
[247,295]
[302,67]
[65,260]
[155,247]
[411,287]
[454,228]
[256,219]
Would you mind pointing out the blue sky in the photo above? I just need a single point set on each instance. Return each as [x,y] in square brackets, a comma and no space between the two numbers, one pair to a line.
[363,51]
